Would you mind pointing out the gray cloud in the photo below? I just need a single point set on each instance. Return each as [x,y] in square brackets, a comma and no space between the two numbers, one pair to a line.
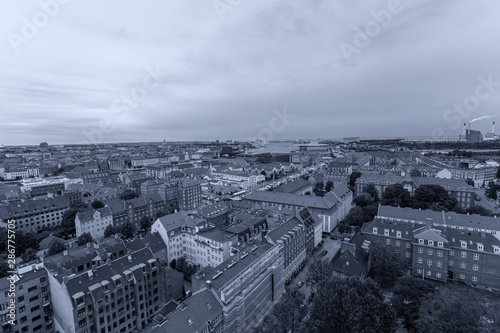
[225,77]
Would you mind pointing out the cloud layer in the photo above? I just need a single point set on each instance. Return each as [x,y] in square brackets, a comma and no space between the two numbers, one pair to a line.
[222,78]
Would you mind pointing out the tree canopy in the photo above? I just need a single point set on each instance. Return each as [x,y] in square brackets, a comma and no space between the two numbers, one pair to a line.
[56,248]
[84,239]
[128,194]
[96,204]
[386,265]
[396,195]
[350,305]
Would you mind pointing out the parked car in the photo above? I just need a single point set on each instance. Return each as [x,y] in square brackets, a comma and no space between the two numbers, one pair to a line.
[300,284]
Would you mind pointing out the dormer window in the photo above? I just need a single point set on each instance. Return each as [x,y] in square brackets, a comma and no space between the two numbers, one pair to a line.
[440,244]
[386,232]
[431,243]
[480,247]
[463,244]
[420,241]
[398,234]
[375,230]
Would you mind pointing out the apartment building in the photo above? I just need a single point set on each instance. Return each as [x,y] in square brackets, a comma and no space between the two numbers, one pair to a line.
[247,285]
[122,295]
[457,188]
[33,215]
[32,301]
[134,210]
[441,246]
[331,209]
[189,194]
[94,222]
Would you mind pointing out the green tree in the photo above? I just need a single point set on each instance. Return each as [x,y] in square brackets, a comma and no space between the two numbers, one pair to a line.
[434,197]
[127,230]
[287,315]
[415,173]
[25,241]
[96,204]
[29,255]
[128,194]
[145,224]
[449,311]
[386,265]
[491,190]
[4,268]
[68,221]
[319,272]
[350,305]
[363,200]
[57,247]
[84,239]
[159,214]
[480,210]
[355,217]
[470,182]
[408,295]
[396,195]
[372,190]
[110,231]
[353,177]
[329,186]
[173,264]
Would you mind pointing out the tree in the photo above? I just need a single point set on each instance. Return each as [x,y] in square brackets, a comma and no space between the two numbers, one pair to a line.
[110,231]
[498,172]
[57,247]
[29,255]
[84,239]
[4,268]
[145,223]
[307,193]
[96,204]
[470,182]
[128,194]
[386,264]
[408,295]
[415,173]
[68,221]
[329,186]
[363,199]
[396,195]
[350,305]
[369,212]
[127,230]
[355,217]
[287,315]
[25,241]
[480,210]
[372,190]
[352,178]
[159,214]
[319,272]
[173,264]
[434,197]
[491,190]
[449,311]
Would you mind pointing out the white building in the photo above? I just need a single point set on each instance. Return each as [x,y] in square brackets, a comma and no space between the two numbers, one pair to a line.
[93,222]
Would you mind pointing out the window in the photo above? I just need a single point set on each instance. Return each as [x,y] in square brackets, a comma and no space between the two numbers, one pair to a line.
[386,232]
[429,262]
[388,241]
[475,267]
[420,250]
[420,241]
[451,263]
[398,234]
[431,242]
[464,254]
[474,278]
[439,253]
[429,252]
[438,275]
[429,272]
[420,260]
[407,254]
[440,244]
[419,271]
[463,265]
[452,253]
[463,244]
[476,256]
[439,263]
[462,276]
[375,230]
[480,247]
[398,243]
[407,245]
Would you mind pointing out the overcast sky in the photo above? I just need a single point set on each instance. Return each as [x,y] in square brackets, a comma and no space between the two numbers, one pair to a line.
[220,69]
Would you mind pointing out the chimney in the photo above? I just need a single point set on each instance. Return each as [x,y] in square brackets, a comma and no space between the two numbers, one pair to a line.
[469,128]
[465,129]
[493,127]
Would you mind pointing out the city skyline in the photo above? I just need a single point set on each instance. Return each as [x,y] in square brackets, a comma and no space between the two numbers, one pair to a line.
[115,72]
